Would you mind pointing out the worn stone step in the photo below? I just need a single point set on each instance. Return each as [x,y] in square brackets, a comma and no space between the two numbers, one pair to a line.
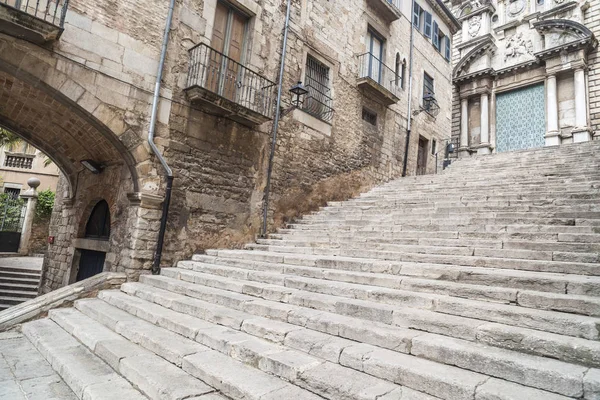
[270,358]
[86,374]
[375,301]
[297,277]
[563,267]
[361,271]
[438,379]
[529,370]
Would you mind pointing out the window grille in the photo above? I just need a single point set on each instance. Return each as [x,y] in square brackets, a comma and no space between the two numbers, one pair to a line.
[318,101]
[369,116]
[12,193]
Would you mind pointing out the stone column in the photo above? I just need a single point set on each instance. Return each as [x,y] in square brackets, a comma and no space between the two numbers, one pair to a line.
[552,133]
[485,125]
[31,196]
[581,132]
[463,149]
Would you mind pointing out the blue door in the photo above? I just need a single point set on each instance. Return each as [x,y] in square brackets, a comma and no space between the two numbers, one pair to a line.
[520,119]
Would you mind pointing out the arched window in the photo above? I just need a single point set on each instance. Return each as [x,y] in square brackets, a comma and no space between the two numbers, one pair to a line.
[98,225]
[398,76]
[403,73]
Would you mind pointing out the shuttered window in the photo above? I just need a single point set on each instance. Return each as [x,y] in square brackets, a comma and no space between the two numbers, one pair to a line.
[427,24]
[436,36]
[417,16]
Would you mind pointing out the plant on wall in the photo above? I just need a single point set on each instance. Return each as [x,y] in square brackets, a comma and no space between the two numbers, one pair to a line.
[45,203]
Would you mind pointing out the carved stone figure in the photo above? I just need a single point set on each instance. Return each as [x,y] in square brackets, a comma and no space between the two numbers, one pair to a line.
[474,25]
[517,46]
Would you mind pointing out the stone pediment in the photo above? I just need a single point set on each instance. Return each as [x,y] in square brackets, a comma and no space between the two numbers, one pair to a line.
[477,59]
[563,34]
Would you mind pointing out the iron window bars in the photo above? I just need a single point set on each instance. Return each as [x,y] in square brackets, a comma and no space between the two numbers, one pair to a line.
[318,101]
[217,73]
[53,12]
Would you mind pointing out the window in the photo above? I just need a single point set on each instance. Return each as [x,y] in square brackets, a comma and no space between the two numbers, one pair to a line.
[397,70]
[427,27]
[403,73]
[375,48]
[436,36]
[369,116]
[447,51]
[318,101]
[417,15]
[428,90]
[12,193]
[433,146]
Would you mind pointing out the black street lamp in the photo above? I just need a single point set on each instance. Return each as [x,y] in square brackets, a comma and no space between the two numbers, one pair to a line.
[298,90]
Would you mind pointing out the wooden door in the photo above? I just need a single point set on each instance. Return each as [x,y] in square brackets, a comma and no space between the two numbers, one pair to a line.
[228,39]
[375,47]
[422,157]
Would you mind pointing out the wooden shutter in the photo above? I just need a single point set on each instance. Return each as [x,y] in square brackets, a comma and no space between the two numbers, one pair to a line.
[436,36]
[427,27]
[220,28]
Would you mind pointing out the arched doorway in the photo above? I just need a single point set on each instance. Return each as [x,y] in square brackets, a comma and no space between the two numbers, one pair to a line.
[91,262]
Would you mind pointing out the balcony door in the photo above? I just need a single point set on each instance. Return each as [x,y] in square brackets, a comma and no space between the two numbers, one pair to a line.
[229,33]
[375,48]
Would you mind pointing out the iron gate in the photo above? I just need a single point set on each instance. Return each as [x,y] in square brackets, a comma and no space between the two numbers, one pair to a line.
[12,214]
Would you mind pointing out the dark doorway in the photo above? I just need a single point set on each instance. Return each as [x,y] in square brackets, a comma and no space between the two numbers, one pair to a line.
[422,156]
[91,262]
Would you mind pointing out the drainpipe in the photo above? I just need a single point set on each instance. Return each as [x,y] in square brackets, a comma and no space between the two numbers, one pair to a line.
[410,80]
[277,117]
[168,170]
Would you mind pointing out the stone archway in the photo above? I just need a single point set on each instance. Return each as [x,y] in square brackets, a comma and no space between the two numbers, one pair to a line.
[63,110]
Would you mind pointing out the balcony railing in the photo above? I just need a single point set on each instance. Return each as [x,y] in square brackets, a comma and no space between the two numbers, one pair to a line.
[232,89]
[22,162]
[318,104]
[378,78]
[53,12]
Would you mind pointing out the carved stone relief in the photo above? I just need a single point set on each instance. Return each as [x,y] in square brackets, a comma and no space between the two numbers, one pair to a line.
[517,46]
[474,25]
[515,7]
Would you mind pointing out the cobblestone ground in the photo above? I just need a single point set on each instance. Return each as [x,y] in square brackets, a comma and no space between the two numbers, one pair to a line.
[25,374]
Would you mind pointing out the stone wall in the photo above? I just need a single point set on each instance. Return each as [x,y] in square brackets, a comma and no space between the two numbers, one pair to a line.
[592,21]
[38,240]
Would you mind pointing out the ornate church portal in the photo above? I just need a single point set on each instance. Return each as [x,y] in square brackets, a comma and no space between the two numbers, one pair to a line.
[520,119]
[522,74]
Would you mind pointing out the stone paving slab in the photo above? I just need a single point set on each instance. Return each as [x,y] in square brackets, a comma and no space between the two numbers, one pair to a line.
[25,374]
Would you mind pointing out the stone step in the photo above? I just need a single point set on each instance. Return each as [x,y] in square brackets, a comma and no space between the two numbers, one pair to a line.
[19,275]
[376,302]
[86,374]
[345,281]
[386,274]
[439,378]
[482,261]
[217,355]
[6,287]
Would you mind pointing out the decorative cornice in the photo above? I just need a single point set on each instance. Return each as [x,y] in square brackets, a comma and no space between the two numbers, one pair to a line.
[444,12]
[476,41]
[557,10]
[584,36]
[488,7]
[477,50]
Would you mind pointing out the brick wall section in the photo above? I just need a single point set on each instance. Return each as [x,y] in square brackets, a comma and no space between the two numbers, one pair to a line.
[592,21]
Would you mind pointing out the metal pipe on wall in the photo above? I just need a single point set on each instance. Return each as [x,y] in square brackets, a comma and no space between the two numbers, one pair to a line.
[155,150]
[277,117]
[410,85]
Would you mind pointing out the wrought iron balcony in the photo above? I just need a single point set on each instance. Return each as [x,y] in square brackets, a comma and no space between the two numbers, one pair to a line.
[389,10]
[223,86]
[378,80]
[38,21]
[18,161]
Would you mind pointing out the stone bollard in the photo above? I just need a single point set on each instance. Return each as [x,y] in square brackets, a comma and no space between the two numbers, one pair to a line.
[31,196]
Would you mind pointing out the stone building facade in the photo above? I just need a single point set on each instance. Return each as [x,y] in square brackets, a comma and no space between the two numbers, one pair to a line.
[22,161]
[526,74]
[92,80]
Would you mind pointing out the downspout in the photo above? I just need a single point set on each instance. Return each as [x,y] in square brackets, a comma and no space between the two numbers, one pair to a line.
[410,81]
[151,130]
[277,117]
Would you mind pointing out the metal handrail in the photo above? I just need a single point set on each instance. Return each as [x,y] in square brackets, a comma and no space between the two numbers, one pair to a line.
[373,68]
[53,12]
[224,76]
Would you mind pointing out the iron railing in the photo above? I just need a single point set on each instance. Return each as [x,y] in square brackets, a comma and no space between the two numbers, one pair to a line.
[317,101]
[12,213]
[373,68]
[53,12]
[18,162]
[231,80]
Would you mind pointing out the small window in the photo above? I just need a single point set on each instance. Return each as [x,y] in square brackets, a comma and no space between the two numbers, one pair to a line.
[397,70]
[369,116]
[495,18]
[433,146]
[427,26]
[12,193]
[417,16]
[448,50]
[436,36]
[428,87]
[403,73]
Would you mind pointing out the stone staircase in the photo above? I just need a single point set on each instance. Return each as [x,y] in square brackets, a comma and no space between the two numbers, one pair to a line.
[482,283]
[18,285]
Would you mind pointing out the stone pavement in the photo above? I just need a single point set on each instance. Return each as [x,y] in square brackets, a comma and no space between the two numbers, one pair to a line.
[33,263]
[25,374]
[479,284]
